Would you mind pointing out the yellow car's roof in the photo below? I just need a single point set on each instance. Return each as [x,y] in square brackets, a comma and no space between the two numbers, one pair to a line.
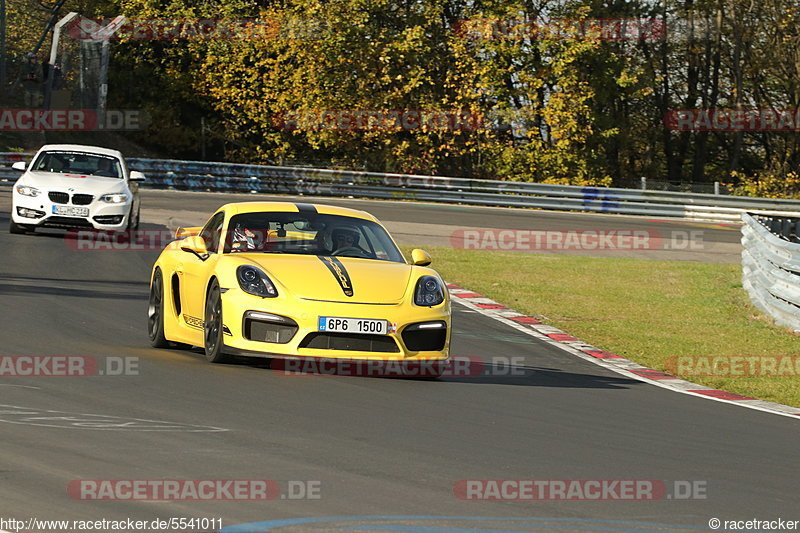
[237,208]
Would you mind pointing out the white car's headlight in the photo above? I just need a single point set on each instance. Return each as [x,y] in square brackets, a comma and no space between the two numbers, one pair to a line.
[26,190]
[118,198]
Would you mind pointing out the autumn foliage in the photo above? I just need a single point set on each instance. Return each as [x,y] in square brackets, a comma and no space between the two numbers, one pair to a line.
[541,90]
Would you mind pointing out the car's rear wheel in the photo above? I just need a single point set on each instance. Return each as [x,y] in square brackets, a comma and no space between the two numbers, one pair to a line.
[212,325]
[155,312]
[15,228]
[155,315]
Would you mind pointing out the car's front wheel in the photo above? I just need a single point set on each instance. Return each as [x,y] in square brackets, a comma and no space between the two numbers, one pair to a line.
[15,228]
[212,325]
[133,220]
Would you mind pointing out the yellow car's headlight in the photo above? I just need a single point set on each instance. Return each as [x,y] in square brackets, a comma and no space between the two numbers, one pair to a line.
[253,281]
[428,292]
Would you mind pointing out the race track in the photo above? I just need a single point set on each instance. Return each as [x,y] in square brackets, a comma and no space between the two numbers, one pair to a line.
[377,446]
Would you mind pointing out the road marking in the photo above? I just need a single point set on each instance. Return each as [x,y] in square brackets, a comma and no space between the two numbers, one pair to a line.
[14,414]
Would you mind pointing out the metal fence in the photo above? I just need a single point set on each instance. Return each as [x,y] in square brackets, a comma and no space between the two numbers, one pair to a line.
[232,177]
[771,266]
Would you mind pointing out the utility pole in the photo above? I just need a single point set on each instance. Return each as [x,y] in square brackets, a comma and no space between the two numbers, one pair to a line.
[102,94]
[203,138]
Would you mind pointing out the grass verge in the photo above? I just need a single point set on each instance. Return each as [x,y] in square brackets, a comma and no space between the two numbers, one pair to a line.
[647,311]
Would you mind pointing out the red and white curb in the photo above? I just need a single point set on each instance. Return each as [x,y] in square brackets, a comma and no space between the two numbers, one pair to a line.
[554,336]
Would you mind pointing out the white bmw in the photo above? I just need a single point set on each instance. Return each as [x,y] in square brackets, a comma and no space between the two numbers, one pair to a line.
[75,186]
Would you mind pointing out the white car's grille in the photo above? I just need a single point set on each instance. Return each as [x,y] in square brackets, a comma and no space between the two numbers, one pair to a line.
[63,198]
[82,199]
[59,197]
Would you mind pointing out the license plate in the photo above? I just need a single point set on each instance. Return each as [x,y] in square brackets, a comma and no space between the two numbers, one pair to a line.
[353,325]
[70,211]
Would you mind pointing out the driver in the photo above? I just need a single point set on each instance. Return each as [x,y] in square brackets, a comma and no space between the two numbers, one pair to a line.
[105,168]
[243,239]
[344,237]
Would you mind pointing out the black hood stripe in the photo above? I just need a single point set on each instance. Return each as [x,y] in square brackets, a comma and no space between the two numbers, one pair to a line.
[306,208]
[339,273]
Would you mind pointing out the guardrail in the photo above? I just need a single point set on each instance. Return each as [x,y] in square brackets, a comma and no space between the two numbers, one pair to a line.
[771,266]
[232,177]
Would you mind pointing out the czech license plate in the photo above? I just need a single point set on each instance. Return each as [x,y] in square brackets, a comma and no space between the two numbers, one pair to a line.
[338,324]
[70,211]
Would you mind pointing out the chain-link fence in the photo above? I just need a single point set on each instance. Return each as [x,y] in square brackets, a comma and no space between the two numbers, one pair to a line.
[79,70]
[68,73]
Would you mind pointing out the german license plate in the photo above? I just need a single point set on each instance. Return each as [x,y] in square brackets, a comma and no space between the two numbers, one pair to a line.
[338,324]
[70,211]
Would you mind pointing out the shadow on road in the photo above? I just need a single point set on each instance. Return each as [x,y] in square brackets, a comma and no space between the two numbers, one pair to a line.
[477,373]
[106,289]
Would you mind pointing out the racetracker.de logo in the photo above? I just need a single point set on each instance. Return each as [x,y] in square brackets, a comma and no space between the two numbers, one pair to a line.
[67,366]
[578,490]
[72,120]
[378,120]
[98,240]
[204,29]
[489,28]
[455,367]
[732,120]
[734,366]
[174,489]
[576,240]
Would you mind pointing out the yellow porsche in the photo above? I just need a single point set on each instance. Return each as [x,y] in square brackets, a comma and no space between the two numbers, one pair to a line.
[288,280]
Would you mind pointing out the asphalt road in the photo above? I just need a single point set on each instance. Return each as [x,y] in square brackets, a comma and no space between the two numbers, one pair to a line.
[373,446]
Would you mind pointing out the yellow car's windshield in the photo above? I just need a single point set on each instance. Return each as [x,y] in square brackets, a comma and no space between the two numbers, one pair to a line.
[309,234]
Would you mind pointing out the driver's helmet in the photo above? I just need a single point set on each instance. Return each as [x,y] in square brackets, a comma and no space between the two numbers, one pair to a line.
[344,237]
[243,239]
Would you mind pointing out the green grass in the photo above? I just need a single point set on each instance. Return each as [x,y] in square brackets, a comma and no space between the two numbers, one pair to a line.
[643,310]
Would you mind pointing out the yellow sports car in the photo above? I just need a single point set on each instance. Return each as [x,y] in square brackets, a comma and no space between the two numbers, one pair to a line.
[287,280]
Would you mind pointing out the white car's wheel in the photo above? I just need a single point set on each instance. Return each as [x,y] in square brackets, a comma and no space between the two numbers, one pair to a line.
[133,221]
[15,228]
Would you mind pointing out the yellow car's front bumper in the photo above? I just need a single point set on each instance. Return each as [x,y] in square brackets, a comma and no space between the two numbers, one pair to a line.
[289,327]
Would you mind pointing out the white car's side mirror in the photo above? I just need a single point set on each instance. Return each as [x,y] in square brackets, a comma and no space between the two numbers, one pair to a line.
[20,165]
[137,176]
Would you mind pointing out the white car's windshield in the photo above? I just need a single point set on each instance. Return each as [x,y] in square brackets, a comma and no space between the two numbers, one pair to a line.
[66,162]
[309,234]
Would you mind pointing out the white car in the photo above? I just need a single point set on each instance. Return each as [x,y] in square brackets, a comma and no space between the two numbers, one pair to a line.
[75,186]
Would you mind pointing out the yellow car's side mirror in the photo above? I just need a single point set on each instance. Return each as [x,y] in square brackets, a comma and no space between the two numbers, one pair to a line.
[420,257]
[196,245]
[182,233]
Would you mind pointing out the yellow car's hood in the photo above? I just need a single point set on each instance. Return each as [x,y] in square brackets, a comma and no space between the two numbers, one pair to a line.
[336,278]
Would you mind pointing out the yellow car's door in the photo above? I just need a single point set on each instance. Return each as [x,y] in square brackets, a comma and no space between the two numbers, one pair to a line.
[195,271]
